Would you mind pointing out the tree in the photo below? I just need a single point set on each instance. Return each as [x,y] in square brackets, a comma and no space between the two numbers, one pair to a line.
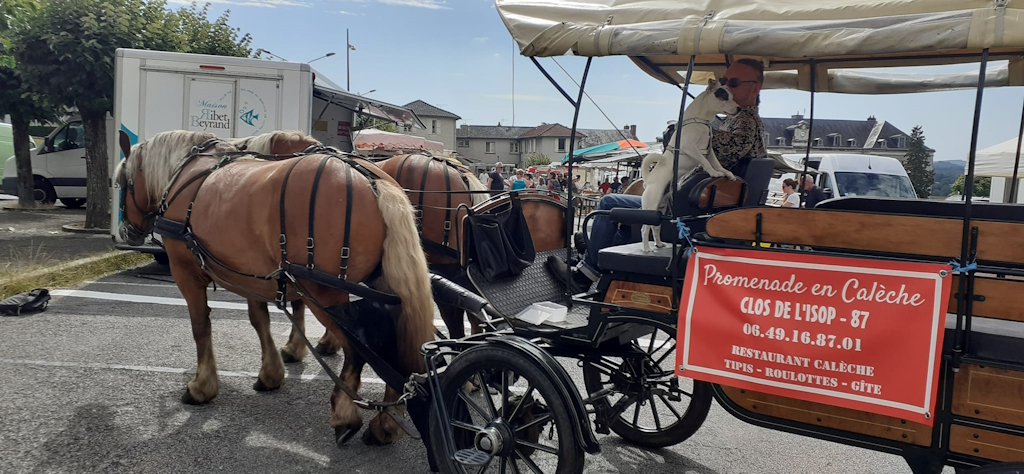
[365,121]
[68,48]
[538,159]
[198,35]
[918,164]
[982,187]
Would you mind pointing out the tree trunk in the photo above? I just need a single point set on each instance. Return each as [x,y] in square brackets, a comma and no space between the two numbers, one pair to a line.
[23,160]
[97,210]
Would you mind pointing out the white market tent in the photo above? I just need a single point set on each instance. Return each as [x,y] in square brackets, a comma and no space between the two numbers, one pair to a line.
[788,35]
[997,160]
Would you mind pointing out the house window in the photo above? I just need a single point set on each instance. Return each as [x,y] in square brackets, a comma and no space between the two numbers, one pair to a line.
[433,127]
[489,147]
[817,141]
[836,140]
[882,143]
[463,143]
[780,141]
[407,128]
[513,147]
[561,145]
[901,141]
[766,139]
[852,142]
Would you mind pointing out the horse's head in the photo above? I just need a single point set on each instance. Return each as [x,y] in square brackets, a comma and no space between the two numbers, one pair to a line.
[275,143]
[716,99]
[143,175]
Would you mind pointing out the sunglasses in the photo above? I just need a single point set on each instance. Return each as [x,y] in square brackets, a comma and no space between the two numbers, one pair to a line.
[732,82]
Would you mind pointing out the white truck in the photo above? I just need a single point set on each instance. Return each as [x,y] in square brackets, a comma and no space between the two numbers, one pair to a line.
[230,97]
[852,175]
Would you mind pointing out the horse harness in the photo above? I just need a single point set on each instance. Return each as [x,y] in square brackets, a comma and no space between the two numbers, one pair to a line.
[440,248]
[287,271]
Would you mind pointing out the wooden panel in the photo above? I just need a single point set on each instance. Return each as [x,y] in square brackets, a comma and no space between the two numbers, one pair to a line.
[893,233]
[986,444]
[640,295]
[818,414]
[989,393]
[728,193]
[1004,298]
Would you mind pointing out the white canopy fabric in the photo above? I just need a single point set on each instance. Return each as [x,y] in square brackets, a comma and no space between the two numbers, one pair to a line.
[997,161]
[858,82]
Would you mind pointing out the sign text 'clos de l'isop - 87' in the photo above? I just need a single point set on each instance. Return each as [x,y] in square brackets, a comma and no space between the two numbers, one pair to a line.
[857,333]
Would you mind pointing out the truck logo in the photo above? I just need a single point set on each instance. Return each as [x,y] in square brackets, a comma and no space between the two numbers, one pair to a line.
[249,117]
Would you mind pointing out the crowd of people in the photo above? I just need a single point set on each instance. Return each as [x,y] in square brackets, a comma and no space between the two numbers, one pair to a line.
[553,181]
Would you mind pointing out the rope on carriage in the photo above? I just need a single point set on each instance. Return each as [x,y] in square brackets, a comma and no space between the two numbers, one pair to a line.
[957,269]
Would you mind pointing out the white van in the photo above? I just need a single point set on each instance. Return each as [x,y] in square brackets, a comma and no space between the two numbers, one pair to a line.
[856,175]
[58,167]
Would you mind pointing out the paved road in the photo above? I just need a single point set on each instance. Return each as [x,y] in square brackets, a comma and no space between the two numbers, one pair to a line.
[35,237]
[93,385]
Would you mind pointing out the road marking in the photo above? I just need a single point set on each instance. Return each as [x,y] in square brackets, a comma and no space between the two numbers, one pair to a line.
[156,285]
[169,370]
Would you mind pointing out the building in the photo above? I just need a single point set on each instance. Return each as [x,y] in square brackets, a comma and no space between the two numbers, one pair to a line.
[485,145]
[871,136]
[440,123]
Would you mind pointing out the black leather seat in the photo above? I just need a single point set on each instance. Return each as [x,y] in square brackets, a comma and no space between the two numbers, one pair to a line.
[631,258]
[991,339]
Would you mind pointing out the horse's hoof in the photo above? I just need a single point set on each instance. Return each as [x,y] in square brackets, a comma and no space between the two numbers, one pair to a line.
[371,439]
[259,386]
[188,399]
[343,435]
[325,350]
[288,358]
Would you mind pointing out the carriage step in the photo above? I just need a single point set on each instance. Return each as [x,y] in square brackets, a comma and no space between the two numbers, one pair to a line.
[472,457]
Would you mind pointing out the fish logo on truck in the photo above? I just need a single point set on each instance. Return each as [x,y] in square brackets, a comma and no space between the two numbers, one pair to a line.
[251,108]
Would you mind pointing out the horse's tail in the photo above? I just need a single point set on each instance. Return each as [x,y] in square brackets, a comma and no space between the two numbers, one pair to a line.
[406,274]
[476,185]
[650,161]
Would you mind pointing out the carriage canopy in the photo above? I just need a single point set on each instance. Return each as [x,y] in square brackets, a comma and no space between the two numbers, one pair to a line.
[661,35]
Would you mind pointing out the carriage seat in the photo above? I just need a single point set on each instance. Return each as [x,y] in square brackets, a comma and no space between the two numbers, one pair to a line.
[991,339]
[631,258]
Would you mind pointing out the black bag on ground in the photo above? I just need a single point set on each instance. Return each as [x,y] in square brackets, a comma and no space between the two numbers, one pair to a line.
[500,243]
[23,303]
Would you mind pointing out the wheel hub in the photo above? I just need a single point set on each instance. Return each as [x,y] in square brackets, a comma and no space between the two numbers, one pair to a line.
[497,438]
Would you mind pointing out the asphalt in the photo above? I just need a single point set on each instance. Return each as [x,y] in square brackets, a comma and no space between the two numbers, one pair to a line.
[33,237]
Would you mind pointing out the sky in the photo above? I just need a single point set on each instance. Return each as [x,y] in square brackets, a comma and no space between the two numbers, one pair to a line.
[458,55]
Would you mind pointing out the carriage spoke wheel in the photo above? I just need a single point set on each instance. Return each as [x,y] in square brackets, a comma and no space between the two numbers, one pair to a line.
[646,403]
[502,405]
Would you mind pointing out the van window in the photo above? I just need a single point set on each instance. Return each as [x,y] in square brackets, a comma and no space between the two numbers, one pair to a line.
[69,138]
[878,185]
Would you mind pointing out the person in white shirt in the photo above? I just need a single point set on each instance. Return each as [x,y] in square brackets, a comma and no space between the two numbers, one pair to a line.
[790,197]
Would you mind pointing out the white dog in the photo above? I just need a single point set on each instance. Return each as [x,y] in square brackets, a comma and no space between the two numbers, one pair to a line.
[694,150]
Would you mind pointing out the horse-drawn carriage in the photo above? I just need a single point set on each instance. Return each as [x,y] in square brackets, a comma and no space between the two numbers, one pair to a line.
[936,376]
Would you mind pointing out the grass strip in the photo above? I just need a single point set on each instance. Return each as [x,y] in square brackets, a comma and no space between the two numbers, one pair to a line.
[68,274]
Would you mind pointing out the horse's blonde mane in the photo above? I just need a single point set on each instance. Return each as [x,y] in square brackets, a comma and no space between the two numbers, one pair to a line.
[160,156]
[476,185]
[263,143]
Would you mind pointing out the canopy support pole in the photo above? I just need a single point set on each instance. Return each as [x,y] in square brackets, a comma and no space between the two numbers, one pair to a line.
[963,320]
[557,86]
[810,139]
[1016,161]
[674,262]
[569,180]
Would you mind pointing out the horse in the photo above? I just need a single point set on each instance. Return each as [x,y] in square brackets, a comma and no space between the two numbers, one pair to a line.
[245,227]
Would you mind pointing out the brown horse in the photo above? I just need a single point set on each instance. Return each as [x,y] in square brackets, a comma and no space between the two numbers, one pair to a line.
[237,210]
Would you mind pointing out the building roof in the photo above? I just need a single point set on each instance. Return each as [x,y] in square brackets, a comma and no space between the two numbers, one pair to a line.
[864,132]
[424,109]
[501,132]
[594,136]
[550,130]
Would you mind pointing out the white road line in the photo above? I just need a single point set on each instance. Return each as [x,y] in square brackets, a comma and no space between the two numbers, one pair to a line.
[125,283]
[167,370]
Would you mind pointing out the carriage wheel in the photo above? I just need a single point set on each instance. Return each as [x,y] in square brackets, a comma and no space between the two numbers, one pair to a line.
[500,402]
[655,408]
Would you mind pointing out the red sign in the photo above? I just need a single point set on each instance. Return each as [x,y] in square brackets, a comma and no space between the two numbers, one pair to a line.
[343,128]
[850,332]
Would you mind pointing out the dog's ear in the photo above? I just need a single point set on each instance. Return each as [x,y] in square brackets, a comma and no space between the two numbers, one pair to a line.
[712,82]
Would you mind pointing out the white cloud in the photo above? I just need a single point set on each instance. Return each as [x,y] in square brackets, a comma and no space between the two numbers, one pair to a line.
[497,55]
[429,4]
[343,12]
[480,40]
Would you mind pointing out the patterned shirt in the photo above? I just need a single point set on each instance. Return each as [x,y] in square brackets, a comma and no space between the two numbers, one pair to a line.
[739,138]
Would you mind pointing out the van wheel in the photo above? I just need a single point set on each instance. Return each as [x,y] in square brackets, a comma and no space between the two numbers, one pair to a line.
[73,203]
[43,192]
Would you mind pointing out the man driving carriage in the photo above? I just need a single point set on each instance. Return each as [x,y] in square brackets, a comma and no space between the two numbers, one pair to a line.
[736,141]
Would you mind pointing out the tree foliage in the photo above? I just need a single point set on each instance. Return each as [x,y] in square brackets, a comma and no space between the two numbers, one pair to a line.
[365,121]
[538,159]
[197,34]
[917,163]
[982,187]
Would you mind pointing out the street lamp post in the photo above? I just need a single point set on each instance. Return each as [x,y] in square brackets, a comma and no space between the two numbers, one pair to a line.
[321,57]
[348,73]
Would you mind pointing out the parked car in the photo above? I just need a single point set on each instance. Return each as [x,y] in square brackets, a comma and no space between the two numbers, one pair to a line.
[58,166]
